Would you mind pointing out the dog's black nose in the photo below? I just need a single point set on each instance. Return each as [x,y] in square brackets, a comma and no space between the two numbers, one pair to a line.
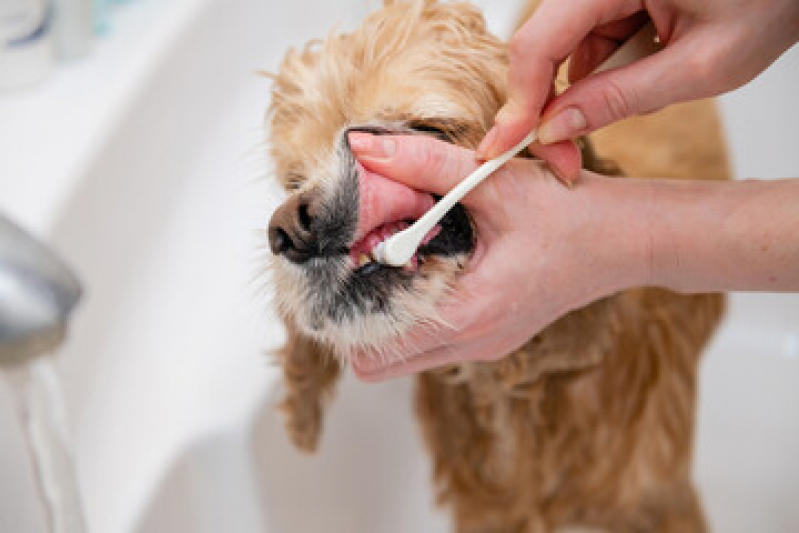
[291,230]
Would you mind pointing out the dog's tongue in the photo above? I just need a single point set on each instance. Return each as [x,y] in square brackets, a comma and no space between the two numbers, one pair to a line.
[382,201]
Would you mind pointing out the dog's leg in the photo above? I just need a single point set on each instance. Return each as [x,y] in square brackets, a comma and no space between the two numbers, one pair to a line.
[310,372]
[468,458]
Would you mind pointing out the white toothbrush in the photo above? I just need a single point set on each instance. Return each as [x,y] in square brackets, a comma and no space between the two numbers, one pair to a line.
[398,249]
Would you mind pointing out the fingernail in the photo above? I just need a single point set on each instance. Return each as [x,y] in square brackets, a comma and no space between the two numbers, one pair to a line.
[564,177]
[567,124]
[368,364]
[375,147]
[487,144]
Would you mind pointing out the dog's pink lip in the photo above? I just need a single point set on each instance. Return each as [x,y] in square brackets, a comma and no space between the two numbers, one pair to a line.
[383,204]
[380,234]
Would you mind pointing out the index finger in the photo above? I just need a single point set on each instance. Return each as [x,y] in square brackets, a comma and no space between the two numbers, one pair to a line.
[419,162]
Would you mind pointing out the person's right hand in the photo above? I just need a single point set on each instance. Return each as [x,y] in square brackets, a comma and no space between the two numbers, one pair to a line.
[710,47]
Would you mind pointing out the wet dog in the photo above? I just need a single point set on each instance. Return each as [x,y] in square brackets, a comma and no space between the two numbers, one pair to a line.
[591,422]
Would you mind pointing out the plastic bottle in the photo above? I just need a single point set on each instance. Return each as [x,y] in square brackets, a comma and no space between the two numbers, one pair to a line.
[73,28]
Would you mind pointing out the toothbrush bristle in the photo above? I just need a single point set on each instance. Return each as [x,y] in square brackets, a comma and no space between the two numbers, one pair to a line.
[379,252]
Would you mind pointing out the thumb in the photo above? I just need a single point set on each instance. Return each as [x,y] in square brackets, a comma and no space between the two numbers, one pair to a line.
[416,161]
[601,99]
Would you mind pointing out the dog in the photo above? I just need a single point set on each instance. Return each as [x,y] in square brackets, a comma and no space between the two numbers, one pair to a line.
[590,423]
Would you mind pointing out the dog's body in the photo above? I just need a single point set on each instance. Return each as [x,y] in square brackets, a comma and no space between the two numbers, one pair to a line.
[591,422]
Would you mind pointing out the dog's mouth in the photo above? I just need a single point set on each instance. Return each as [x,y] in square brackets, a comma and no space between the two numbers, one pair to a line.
[395,213]
[362,254]
[387,207]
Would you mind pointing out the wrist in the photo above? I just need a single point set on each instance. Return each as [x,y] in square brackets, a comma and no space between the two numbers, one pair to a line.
[663,236]
[616,240]
[628,205]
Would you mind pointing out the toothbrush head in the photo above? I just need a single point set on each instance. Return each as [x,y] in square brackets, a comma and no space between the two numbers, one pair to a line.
[379,253]
[392,252]
[398,249]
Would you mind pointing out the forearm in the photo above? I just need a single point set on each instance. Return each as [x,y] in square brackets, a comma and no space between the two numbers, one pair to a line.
[703,236]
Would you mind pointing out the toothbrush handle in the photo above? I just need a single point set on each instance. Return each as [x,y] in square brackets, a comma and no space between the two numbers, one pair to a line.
[408,241]
[431,217]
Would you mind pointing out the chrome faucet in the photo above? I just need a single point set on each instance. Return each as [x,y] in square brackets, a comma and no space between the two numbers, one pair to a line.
[37,295]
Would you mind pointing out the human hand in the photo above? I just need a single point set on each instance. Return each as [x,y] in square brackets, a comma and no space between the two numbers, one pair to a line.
[710,47]
[541,252]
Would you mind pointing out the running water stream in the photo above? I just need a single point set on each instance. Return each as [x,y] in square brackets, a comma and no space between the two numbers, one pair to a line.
[40,410]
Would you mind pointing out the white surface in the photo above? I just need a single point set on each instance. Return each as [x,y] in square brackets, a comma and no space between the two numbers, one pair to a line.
[51,133]
[747,465]
[162,211]
[762,122]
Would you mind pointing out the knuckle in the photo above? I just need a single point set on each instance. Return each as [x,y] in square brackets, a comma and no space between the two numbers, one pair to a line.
[519,46]
[443,160]
[700,64]
[706,65]
[618,102]
[435,161]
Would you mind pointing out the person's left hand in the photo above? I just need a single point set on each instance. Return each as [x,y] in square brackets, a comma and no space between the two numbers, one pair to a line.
[542,251]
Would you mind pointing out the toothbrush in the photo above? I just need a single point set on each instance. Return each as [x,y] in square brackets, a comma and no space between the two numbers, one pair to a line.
[398,249]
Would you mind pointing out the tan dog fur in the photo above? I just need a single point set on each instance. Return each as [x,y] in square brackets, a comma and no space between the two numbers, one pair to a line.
[591,422]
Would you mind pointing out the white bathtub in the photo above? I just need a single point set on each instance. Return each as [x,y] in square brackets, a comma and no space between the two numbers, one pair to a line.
[167,374]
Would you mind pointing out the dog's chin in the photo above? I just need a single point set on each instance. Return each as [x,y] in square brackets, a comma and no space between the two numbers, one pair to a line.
[352,304]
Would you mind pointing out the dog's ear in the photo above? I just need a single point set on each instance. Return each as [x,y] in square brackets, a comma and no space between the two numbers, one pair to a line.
[310,372]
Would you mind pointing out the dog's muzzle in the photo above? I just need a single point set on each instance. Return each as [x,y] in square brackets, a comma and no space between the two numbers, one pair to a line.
[311,225]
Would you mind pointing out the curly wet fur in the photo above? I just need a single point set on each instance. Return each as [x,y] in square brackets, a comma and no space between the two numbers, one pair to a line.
[591,422]
[429,54]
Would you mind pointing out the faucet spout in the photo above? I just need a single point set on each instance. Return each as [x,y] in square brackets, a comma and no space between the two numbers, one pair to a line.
[37,295]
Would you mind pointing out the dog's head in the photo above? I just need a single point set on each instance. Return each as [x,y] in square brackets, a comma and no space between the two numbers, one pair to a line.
[424,68]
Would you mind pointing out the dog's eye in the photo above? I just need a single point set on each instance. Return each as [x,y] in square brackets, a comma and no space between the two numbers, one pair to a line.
[428,128]
[440,128]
